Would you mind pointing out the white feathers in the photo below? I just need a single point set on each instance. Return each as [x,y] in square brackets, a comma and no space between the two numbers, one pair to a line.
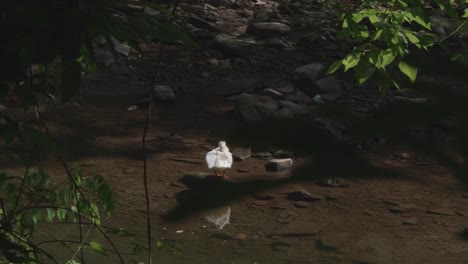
[220,157]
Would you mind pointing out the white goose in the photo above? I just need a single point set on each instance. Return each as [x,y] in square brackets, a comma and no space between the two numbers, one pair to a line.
[219,158]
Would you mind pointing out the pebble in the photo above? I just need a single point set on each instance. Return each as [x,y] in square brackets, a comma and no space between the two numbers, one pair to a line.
[280,206]
[262,155]
[240,236]
[260,203]
[301,204]
[411,221]
[334,240]
[298,228]
[403,208]
[440,211]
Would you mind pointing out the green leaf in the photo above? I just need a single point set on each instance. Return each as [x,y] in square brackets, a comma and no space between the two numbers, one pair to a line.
[62,214]
[363,71]
[64,195]
[334,67]
[465,15]
[382,58]
[97,247]
[351,61]
[374,19]
[413,39]
[420,17]
[408,70]
[36,216]
[50,214]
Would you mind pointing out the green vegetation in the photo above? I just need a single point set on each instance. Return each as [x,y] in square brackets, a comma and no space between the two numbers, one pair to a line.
[386,32]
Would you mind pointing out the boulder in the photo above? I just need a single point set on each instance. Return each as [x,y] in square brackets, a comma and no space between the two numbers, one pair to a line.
[256,108]
[268,29]
[278,164]
[310,72]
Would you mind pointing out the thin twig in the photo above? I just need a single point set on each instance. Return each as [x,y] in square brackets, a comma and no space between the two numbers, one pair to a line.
[103,233]
[80,246]
[143,141]
[455,31]
[32,245]
[70,176]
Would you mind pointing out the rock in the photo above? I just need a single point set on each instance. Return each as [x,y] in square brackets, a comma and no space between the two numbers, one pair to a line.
[334,240]
[256,108]
[130,109]
[406,92]
[260,203]
[240,236]
[298,229]
[403,208]
[280,206]
[299,98]
[163,93]
[272,92]
[402,155]
[334,182]
[279,164]
[150,11]
[200,33]
[310,39]
[318,99]
[241,153]
[120,47]
[287,103]
[301,204]
[286,89]
[418,100]
[200,180]
[310,72]
[233,46]
[283,154]
[300,109]
[440,211]
[330,97]
[368,212]
[201,23]
[274,43]
[302,196]
[284,113]
[230,87]
[262,155]
[411,221]
[329,85]
[282,246]
[268,29]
